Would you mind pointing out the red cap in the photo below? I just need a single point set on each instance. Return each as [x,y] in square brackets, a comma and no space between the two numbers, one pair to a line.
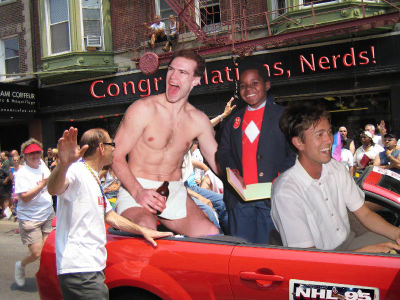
[32,148]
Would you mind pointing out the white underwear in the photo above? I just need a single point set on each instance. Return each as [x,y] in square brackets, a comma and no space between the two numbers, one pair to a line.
[176,202]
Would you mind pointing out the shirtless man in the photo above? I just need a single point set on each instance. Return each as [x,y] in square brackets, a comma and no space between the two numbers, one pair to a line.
[156,133]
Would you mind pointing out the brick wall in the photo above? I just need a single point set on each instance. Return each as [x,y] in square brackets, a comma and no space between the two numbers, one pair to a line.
[127,18]
[35,35]
[11,25]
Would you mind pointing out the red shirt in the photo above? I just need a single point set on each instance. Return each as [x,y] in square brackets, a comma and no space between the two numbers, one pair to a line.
[251,128]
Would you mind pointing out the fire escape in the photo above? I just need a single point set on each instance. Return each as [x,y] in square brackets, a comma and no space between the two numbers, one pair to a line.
[226,29]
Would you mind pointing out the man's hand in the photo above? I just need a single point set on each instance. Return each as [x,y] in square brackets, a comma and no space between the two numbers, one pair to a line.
[150,235]
[68,150]
[151,200]
[389,152]
[382,128]
[379,248]
[228,108]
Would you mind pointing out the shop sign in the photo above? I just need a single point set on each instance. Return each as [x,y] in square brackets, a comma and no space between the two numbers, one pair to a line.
[369,56]
[17,101]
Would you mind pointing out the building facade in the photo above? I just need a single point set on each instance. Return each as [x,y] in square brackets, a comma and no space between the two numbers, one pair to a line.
[18,83]
[340,53]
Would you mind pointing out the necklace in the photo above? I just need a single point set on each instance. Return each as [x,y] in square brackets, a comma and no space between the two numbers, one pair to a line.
[98,182]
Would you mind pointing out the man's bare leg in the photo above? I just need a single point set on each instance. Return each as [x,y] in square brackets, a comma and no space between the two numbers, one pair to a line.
[141,216]
[196,223]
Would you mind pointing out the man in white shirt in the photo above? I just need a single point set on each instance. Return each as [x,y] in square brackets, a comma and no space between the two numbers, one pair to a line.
[82,209]
[157,31]
[309,200]
[376,138]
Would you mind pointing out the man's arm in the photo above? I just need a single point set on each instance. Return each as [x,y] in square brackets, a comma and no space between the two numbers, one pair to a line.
[351,170]
[68,152]
[394,162]
[227,111]
[377,224]
[115,220]
[131,129]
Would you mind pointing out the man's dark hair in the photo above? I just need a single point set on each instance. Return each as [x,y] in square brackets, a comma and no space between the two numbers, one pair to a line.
[300,116]
[390,135]
[6,153]
[190,54]
[250,65]
[93,138]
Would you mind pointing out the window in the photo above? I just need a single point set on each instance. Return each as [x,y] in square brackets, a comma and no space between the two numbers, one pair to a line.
[278,8]
[210,13]
[317,2]
[9,53]
[58,19]
[92,25]
[163,9]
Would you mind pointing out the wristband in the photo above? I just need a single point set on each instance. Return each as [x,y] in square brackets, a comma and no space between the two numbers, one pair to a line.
[220,118]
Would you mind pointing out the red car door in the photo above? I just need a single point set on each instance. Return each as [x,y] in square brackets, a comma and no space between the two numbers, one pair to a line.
[282,273]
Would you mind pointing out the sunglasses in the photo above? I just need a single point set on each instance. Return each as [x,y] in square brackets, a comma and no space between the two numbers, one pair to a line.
[110,144]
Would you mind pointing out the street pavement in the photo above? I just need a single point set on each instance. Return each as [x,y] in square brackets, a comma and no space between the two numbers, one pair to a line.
[12,251]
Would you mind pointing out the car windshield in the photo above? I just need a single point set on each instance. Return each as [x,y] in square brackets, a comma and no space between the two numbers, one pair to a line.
[390,183]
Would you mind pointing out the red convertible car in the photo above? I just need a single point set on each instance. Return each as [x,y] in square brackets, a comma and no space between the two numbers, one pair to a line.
[224,267]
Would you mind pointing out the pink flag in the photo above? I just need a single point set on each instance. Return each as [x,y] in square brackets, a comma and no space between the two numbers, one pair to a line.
[337,147]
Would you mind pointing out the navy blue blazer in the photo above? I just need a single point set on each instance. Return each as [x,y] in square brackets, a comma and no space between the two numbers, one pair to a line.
[274,155]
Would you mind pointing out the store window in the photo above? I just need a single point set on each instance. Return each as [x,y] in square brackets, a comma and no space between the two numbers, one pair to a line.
[92,23]
[9,53]
[58,26]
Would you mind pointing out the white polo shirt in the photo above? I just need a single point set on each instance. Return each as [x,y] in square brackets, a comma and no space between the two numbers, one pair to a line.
[309,212]
[156,26]
[80,232]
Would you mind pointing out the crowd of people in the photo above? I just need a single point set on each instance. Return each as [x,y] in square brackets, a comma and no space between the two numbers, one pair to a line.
[164,138]
[378,150]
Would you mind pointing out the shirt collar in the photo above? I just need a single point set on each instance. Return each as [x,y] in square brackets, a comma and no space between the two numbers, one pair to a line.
[249,108]
[304,177]
[302,174]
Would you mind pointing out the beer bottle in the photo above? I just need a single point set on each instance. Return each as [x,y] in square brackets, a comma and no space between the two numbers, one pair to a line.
[163,191]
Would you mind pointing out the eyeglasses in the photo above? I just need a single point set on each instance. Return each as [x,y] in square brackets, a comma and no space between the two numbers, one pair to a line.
[342,130]
[110,144]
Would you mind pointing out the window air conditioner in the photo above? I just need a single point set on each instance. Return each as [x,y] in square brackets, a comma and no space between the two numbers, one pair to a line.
[93,41]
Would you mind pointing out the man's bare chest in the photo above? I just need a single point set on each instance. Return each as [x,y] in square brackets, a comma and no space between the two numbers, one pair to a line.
[168,137]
